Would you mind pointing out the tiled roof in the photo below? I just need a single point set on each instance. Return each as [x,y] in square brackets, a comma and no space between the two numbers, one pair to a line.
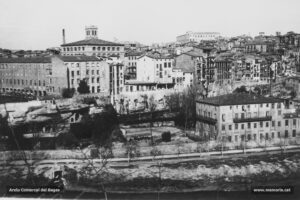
[134,53]
[238,99]
[157,56]
[79,58]
[92,41]
[26,60]
[194,53]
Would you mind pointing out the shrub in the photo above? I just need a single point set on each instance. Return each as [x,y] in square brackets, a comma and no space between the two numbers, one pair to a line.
[166,136]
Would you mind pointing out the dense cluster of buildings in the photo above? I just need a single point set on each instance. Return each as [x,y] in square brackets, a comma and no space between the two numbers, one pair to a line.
[127,71]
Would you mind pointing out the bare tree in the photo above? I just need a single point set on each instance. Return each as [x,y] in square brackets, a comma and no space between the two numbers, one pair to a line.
[95,168]
[158,172]
[152,107]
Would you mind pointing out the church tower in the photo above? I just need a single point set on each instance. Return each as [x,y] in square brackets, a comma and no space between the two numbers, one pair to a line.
[91,32]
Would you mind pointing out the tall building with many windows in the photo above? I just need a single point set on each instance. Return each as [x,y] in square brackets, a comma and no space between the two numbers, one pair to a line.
[239,118]
[40,76]
[92,46]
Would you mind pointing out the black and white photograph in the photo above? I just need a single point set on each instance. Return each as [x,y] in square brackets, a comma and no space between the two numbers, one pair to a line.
[150,99]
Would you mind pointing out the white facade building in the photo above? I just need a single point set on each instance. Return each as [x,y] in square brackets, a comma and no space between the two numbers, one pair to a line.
[89,68]
[154,69]
[197,37]
[232,118]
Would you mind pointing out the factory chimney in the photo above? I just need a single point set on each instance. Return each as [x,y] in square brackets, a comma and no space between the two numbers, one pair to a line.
[64,37]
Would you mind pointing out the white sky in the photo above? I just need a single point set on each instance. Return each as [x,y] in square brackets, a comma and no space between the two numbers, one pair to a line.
[37,24]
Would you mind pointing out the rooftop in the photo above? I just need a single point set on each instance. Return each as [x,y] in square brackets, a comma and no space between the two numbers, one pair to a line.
[134,53]
[26,60]
[80,58]
[92,41]
[238,99]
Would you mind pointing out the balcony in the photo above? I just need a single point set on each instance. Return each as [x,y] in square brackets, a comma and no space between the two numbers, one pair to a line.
[252,119]
[207,120]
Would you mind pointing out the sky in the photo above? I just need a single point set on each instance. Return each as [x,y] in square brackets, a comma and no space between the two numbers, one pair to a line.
[38,24]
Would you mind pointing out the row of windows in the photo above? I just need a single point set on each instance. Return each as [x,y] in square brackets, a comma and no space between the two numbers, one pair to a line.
[159,66]
[24,82]
[94,48]
[88,64]
[87,80]
[87,72]
[261,125]
[262,136]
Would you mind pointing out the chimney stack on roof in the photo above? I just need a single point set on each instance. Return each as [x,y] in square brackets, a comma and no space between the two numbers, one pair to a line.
[64,37]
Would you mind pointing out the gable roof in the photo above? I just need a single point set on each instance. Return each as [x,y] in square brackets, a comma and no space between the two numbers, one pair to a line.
[92,41]
[238,99]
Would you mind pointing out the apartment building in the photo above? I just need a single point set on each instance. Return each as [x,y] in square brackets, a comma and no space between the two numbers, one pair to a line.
[130,62]
[237,118]
[155,69]
[32,75]
[189,69]
[88,68]
[40,76]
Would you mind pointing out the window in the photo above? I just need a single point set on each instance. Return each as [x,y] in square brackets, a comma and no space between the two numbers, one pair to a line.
[223,117]
[272,105]
[279,123]
[267,136]
[267,105]
[242,137]
[249,137]
[72,73]
[294,122]
[223,127]
[229,138]
[261,124]
[94,48]
[255,125]
[286,122]
[294,133]
[261,137]
[286,133]
[236,138]
[78,72]
[254,136]
[230,127]
[278,105]
[108,48]
[243,126]
[261,105]
[243,115]
[236,115]
[103,48]
[273,123]
[278,134]
[118,48]
[236,126]
[267,113]
[249,125]
[267,124]
[273,135]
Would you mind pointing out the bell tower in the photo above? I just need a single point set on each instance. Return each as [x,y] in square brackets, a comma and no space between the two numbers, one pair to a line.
[91,32]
